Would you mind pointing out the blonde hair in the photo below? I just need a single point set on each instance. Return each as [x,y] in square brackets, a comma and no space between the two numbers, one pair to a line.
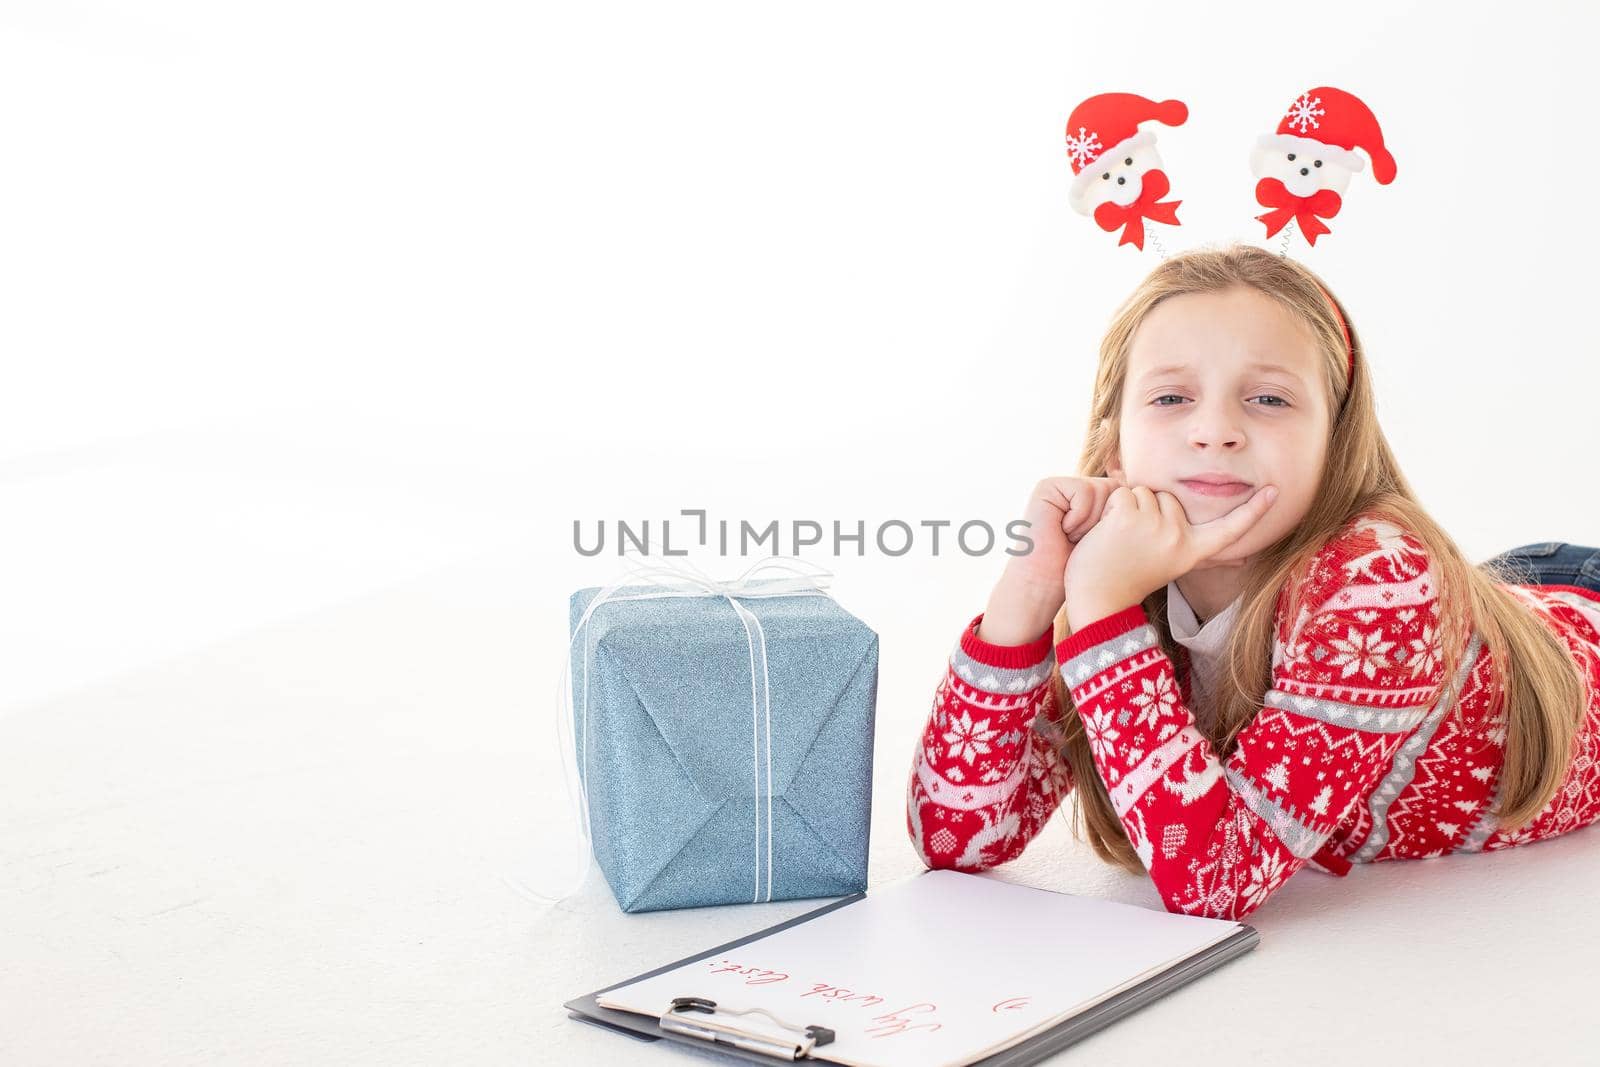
[1544,693]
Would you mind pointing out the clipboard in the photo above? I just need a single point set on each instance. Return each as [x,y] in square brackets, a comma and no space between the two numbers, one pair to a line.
[683,1025]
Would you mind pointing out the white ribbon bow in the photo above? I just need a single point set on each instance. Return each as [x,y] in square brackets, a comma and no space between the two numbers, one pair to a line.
[677,577]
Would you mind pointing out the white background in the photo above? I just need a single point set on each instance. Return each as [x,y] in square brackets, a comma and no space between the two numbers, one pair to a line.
[319,313]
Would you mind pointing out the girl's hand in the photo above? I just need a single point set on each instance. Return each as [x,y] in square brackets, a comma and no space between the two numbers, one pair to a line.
[1059,512]
[1143,541]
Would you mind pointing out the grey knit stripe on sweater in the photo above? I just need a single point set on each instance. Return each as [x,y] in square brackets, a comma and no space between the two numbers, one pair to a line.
[1001,680]
[1096,658]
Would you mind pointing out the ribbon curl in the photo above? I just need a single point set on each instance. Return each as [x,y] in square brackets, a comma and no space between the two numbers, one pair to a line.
[680,578]
[1271,192]
[1131,216]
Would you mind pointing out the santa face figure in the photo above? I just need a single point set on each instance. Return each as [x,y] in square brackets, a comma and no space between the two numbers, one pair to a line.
[1305,167]
[1117,177]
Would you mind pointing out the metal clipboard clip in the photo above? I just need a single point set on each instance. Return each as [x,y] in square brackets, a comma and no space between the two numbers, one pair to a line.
[674,1020]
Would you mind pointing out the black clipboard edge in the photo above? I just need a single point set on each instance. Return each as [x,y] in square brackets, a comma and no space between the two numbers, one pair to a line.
[1031,1050]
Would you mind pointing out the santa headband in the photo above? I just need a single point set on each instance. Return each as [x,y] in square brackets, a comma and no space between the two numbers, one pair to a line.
[1302,168]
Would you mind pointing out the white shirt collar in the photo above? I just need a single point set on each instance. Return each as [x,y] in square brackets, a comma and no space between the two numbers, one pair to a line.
[1207,640]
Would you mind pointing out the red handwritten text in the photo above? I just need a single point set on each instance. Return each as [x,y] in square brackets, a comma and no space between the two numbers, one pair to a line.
[835,995]
[757,975]
[898,1022]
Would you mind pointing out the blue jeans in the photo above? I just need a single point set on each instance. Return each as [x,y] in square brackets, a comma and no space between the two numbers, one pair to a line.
[1556,563]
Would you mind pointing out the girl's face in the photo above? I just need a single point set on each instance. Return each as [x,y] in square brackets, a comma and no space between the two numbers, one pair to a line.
[1231,383]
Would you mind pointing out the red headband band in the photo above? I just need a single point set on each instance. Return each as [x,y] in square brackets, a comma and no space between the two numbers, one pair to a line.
[1349,349]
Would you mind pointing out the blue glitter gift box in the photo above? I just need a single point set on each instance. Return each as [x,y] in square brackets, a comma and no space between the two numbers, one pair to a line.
[726,751]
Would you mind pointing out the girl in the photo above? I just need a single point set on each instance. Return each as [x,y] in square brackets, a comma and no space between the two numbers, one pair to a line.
[1264,653]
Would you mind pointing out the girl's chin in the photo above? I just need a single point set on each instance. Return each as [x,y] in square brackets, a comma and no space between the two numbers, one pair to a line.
[1212,505]
[1201,507]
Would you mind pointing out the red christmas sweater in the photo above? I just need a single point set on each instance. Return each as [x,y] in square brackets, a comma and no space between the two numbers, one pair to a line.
[1348,761]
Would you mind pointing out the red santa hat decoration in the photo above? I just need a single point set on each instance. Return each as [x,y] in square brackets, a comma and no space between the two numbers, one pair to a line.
[1302,169]
[1304,166]
[1119,179]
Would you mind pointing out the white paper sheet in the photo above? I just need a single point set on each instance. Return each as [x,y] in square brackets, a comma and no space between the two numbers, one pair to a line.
[941,968]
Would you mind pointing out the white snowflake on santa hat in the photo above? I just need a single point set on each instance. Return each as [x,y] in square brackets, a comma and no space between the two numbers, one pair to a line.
[1083,146]
[1304,111]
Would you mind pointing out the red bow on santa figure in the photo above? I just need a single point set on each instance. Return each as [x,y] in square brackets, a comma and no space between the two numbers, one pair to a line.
[1131,216]
[1270,192]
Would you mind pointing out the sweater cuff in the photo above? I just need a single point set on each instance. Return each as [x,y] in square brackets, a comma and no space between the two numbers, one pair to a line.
[1104,629]
[1008,656]
[1002,670]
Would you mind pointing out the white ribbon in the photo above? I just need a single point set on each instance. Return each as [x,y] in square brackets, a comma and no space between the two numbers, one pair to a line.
[677,577]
